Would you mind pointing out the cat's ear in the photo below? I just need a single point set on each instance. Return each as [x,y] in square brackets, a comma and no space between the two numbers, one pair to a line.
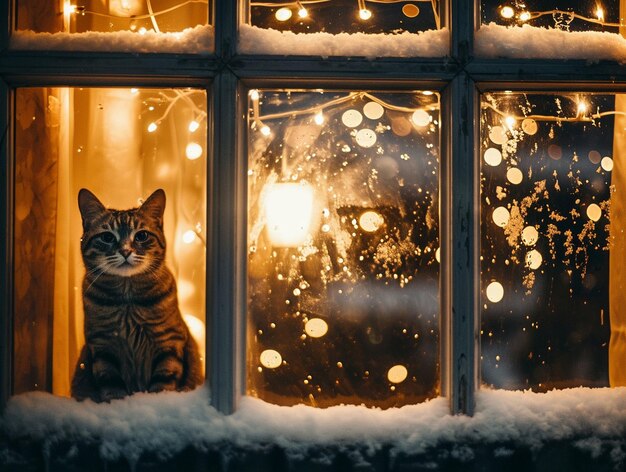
[154,206]
[90,207]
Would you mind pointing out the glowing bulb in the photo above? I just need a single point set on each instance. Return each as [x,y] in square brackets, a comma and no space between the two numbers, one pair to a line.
[397,374]
[142,30]
[189,236]
[594,212]
[193,151]
[514,175]
[254,95]
[265,130]
[303,13]
[533,259]
[365,14]
[283,14]
[316,327]
[125,4]
[582,108]
[607,163]
[288,211]
[510,121]
[524,16]
[493,157]
[152,127]
[530,235]
[600,13]
[420,118]
[495,292]
[271,358]
[507,12]
[134,91]
[370,221]
[193,126]
[69,9]
[319,118]
[501,216]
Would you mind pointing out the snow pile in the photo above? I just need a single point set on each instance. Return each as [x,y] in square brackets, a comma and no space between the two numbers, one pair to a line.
[197,40]
[527,41]
[166,423]
[255,40]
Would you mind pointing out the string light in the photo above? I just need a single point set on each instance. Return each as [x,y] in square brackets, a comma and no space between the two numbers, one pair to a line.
[265,130]
[189,236]
[507,12]
[193,126]
[152,127]
[524,16]
[319,118]
[283,14]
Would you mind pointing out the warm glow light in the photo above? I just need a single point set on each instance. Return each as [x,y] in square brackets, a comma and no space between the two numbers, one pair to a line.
[507,12]
[514,175]
[420,118]
[303,13]
[271,358]
[607,164]
[497,135]
[529,235]
[600,13]
[397,374]
[134,91]
[365,137]
[265,130]
[529,126]
[198,331]
[594,212]
[288,211]
[193,126]
[142,30]
[193,151]
[319,118]
[582,108]
[152,127]
[501,216]
[254,95]
[370,221]
[283,14]
[316,327]
[533,259]
[373,110]
[495,292]
[189,236]
[493,157]
[69,9]
[510,121]
[365,14]
[352,118]
[524,16]
[410,10]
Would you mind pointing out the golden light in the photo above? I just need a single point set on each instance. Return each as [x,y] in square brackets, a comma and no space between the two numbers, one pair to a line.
[370,221]
[316,327]
[303,13]
[142,30]
[152,127]
[514,175]
[397,374]
[283,14]
[365,14]
[134,91]
[510,121]
[265,130]
[288,211]
[319,118]
[507,12]
[524,16]
[189,236]
[533,259]
[373,110]
[271,359]
[495,292]
[582,108]
[497,135]
[365,138]
[410,10]
[420,118]
[594,212]
[600,13]
[493,157]
[501,216]
[352,118]
[193,126]
[607,164]
[254,95]
[529,126]
[69,9]
[193,151]
[197,329]
[530,235]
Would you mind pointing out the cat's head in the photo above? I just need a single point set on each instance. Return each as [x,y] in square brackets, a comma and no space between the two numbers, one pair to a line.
[122,242]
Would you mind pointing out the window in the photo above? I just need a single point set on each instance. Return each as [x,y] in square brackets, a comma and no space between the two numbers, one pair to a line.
[375,208]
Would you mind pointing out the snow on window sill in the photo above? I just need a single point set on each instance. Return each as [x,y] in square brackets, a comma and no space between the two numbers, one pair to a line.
[525,42]
[167,423]
[428,44]
[197,40]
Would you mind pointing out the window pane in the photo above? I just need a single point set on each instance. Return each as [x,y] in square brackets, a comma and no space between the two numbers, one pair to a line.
[122,145]
[343,247]
[345,28]
[551,269]
[551,28]
[111,15]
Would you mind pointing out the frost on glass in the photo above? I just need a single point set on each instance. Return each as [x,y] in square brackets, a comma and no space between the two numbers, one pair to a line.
[552,251]
[343,247]
[122,144]
[346,16]
[566,15]
[77,16]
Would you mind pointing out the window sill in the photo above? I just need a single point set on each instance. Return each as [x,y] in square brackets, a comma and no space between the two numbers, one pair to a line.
[508,427]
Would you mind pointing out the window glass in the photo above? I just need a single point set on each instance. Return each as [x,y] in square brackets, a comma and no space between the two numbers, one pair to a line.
[552,214]
[343,247]
[121,144]
[77,16]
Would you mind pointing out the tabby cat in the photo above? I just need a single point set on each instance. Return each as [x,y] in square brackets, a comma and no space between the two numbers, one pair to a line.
[135,337]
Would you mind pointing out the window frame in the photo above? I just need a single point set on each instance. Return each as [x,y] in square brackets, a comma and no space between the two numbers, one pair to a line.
[226,75]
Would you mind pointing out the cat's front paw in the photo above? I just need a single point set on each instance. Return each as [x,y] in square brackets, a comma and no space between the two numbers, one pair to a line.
[112,393]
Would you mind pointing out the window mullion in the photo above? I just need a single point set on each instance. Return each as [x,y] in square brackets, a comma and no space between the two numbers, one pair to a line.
[460,234]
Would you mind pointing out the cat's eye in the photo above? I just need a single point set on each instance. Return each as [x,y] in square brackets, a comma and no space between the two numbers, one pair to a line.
[107,237]
[141,236]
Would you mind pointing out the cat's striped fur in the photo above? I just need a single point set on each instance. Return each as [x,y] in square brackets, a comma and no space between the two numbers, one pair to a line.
[135,337]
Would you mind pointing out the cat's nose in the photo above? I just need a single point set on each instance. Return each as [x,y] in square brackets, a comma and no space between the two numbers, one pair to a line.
[125,252]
